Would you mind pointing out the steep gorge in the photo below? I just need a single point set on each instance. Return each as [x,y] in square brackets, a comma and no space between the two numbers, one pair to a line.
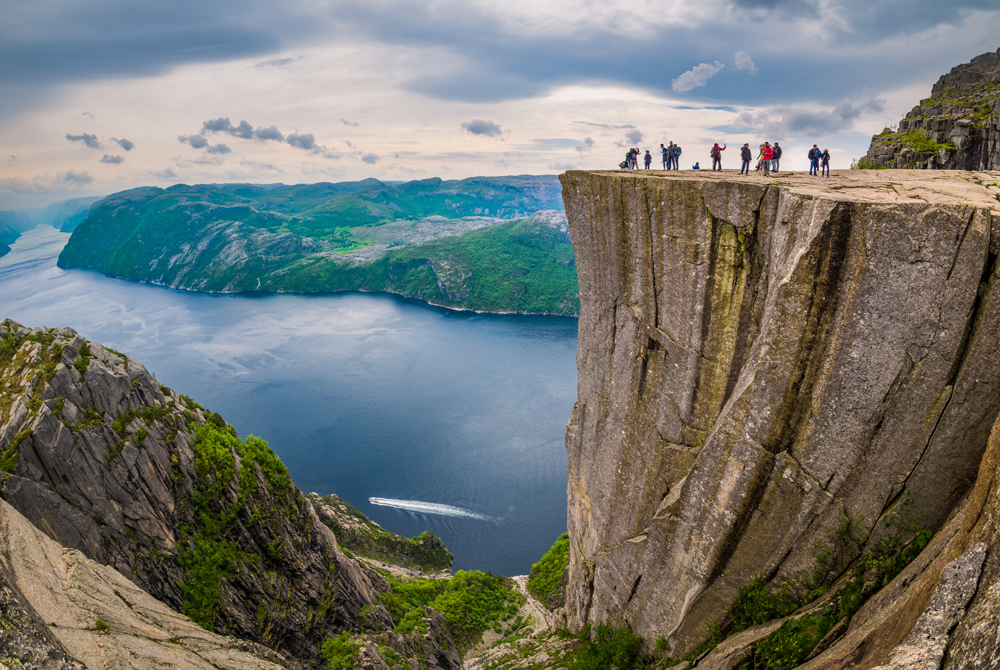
[760,361]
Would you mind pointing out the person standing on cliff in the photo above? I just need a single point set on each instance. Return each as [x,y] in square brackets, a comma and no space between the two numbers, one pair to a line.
[677,157]
[671,150]
[777,157]
[814,155]
[745,155]
[648,159]
[825,160]
[766,155]
[663,156]
[716,154]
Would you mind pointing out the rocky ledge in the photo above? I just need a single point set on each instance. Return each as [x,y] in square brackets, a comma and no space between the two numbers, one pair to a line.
[957,128]
[774,377]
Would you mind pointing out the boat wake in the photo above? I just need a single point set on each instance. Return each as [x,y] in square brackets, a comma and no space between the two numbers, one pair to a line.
[430,508]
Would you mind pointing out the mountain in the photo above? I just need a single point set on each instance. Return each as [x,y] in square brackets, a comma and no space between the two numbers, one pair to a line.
[490,244]
[12,224]
[64,215]
[957,128]
[786,394]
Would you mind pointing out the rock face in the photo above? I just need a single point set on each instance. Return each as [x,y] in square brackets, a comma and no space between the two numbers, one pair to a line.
[760,361]
[957,128]
[104,460]
[67,612]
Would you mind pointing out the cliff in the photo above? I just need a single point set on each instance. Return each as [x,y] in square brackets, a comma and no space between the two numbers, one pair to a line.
[108,462]
[780,383]
[957,128]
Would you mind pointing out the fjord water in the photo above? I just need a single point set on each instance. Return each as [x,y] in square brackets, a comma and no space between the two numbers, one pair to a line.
[362,395]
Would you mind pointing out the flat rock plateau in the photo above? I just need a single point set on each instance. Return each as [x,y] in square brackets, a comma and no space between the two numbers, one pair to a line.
[776,376]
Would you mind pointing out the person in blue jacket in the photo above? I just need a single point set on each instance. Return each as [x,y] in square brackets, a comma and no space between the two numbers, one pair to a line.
[647,159]
[747,156]
[814,155]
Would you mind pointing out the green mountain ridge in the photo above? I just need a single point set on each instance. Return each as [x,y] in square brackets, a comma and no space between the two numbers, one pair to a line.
[495,244]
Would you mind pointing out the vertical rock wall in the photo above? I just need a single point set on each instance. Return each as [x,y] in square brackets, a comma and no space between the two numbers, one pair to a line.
[758,360]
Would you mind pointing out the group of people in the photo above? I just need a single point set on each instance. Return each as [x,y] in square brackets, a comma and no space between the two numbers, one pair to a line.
[768,159]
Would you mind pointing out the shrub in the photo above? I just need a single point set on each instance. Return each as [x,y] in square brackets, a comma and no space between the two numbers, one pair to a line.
[618,647]
[545,578]
[341,653]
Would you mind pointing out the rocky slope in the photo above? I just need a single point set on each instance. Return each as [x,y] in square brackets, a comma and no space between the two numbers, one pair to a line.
[772,375]
[104,460]
[62,611]
[957,128]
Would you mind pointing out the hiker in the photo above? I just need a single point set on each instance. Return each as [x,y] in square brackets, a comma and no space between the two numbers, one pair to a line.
[716,154]
[746,155]
[696,166]
[677,157]
[663,152]
[814,155]
[671,152]
[776,149]
[825,158]
[635,158]
[648,158]
[766,155]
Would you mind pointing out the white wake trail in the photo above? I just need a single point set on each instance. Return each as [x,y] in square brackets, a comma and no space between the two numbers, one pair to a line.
[429,508]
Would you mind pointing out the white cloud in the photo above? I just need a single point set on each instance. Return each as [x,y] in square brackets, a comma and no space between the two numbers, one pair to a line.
[744,62]
[697,76]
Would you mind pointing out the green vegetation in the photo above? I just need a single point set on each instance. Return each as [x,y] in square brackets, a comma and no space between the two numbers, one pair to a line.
[471,602]
[84,360]
[208,552]
[358,534]
[101,627]
[545,578]
[611,647]
[341,653]
[298,236]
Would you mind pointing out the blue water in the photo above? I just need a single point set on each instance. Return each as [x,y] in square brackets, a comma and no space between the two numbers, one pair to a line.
[360,395]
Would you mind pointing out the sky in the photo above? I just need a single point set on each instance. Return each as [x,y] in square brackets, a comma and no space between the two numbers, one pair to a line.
[99,96]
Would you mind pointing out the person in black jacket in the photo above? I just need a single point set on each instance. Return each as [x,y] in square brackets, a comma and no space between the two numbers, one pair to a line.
[825,163]
[747,156]
[776,149]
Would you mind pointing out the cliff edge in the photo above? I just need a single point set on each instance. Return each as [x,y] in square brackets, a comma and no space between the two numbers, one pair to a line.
[771,375]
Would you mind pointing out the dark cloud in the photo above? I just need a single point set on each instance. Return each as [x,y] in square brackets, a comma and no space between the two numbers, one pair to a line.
[88,139]
[305,141]
[270,133]
[77,178]
[634,136]
[585,146]
[113,160]
[217,149]
[352,124]
[124,144]
[166,173]
[275,62]
[481,127]
[87,114]
[370,158]
[781,122]
[196,141]
[224,125]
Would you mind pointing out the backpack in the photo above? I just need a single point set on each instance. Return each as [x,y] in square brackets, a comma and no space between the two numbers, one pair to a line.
[714,153]
[777,151]
[677,150]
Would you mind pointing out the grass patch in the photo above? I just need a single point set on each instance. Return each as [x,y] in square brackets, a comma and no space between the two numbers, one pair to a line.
[545,578]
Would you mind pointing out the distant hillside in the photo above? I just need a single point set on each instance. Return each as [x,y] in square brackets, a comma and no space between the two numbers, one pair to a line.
[497,244]
[64,215]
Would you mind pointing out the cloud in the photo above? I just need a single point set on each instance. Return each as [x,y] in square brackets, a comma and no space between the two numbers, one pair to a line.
[224,125]
[585,146]
[12,158]
[608,126]
[370,158]
[14,185]
[697,76]
[76,178]
[275,62]
[562,167]
[87,114]
[270,133]
[352,124]
[124,144]
[196,141]
[112,160]
[744,62]
[781,122]
[86,138]
[305,141]
[217,149]
[165,173]
[350,144]
[481,127]
[634,136]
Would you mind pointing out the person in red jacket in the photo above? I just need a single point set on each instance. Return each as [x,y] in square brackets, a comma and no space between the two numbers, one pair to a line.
[716,154]
[766,154]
